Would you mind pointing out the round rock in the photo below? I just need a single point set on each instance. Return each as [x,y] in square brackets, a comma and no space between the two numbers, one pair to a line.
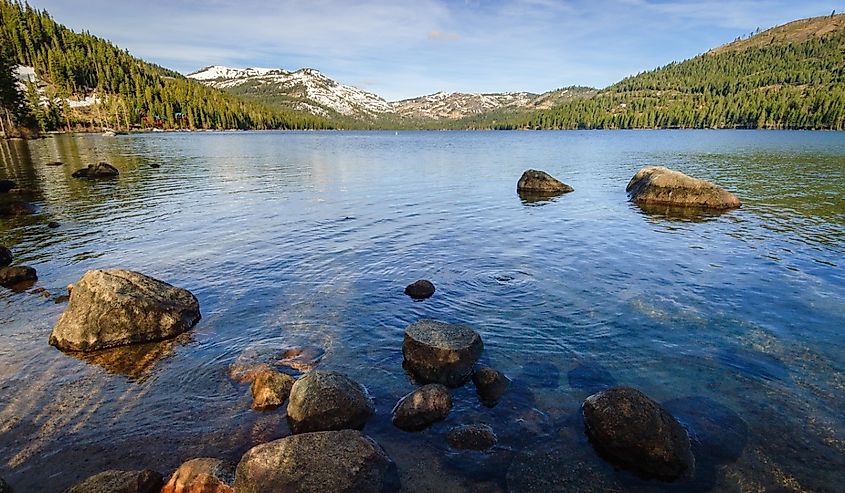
[437,352]
[5,256]
[270,389]
[114,307]
[422,408]
[420,290]
[472,437]
[323,400]
[115,481]
[344,461]
[203,475]
[657,185]
[9,276]
[635,433]
[534,181]
[490,384]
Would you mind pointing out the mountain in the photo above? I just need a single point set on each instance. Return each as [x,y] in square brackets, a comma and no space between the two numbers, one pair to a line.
[305,90]
[791,76]
[129,92]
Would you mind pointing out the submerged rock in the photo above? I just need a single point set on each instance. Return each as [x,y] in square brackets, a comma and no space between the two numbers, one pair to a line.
[99,170]
[422,408]
[5,256]
[490,384]
[6,185]
[420,290]
[590,378]
[16,208]
[9,276]
[344,461]
[203,475]
[437,352]
[636,433]
[323,400]
[472,437]
[534,181]
[54,163]
[53,225]
[302,359]
[116,307]
[270,389]
[116,481]
[4,488]
[659,185]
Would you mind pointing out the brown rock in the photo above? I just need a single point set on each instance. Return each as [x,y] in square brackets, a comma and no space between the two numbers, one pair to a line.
[472,437]
[204,475]
[636,433]
[657,185]
[10,276]
[111,308]
[420,290]
[115,481]
[323,400]
[490,384]
[270,389]
[344,461]
[437,352]
[422,408]
[539,182]
[302,359]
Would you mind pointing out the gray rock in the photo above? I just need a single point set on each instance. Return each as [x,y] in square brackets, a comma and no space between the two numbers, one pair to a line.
[116,307]
[323,401]
[203,475]
[344,461]
[422,408]
[533,181]
[115,481]
[420,290]
[657,185]
[490,384]
[472,437]
[635,433]
[99,170]
[9,276]
[5,256]
[270,389]
[437,352]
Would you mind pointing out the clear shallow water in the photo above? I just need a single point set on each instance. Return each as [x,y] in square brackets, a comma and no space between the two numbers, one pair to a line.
[735,322]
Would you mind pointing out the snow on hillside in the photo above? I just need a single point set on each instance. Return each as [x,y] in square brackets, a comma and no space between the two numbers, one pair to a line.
[455,105]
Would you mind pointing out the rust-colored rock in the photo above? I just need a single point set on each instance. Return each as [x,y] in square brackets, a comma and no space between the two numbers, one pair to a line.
[203,475]
[270,389]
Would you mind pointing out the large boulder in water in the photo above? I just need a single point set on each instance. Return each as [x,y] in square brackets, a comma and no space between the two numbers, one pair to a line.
[5,256]
[535,182]
[99,170]
[657,185]
[9,276]
[116,307]
[115,481]
[422,408]
[344,461]
[636,433]
[203,475]
[324,400]
[437,352]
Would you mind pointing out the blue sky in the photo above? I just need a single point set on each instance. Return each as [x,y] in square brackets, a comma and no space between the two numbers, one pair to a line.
[402,49]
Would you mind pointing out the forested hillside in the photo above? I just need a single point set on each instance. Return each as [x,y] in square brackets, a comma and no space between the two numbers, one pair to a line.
[131,92]
[792,76]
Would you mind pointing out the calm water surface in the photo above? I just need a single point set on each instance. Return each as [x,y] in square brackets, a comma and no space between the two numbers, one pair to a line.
[734,322]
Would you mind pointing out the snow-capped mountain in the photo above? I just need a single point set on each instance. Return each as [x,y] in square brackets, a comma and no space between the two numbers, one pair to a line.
[305,89]
[454,105]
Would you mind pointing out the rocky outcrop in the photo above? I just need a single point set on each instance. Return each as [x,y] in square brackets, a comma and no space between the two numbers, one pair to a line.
[344,461]
[99,170]
[270,389]
[437,352]
[5,256]
[472,437]
[657,185]
[490,384]
[636,433]
[203,475]
[115,307]
[115,481]
[10,276]
[422,408]
[7,185]
[535,182]
[420,290]
[323,401]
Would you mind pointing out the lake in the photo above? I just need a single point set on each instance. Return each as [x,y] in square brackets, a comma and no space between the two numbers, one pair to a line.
[734,322]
